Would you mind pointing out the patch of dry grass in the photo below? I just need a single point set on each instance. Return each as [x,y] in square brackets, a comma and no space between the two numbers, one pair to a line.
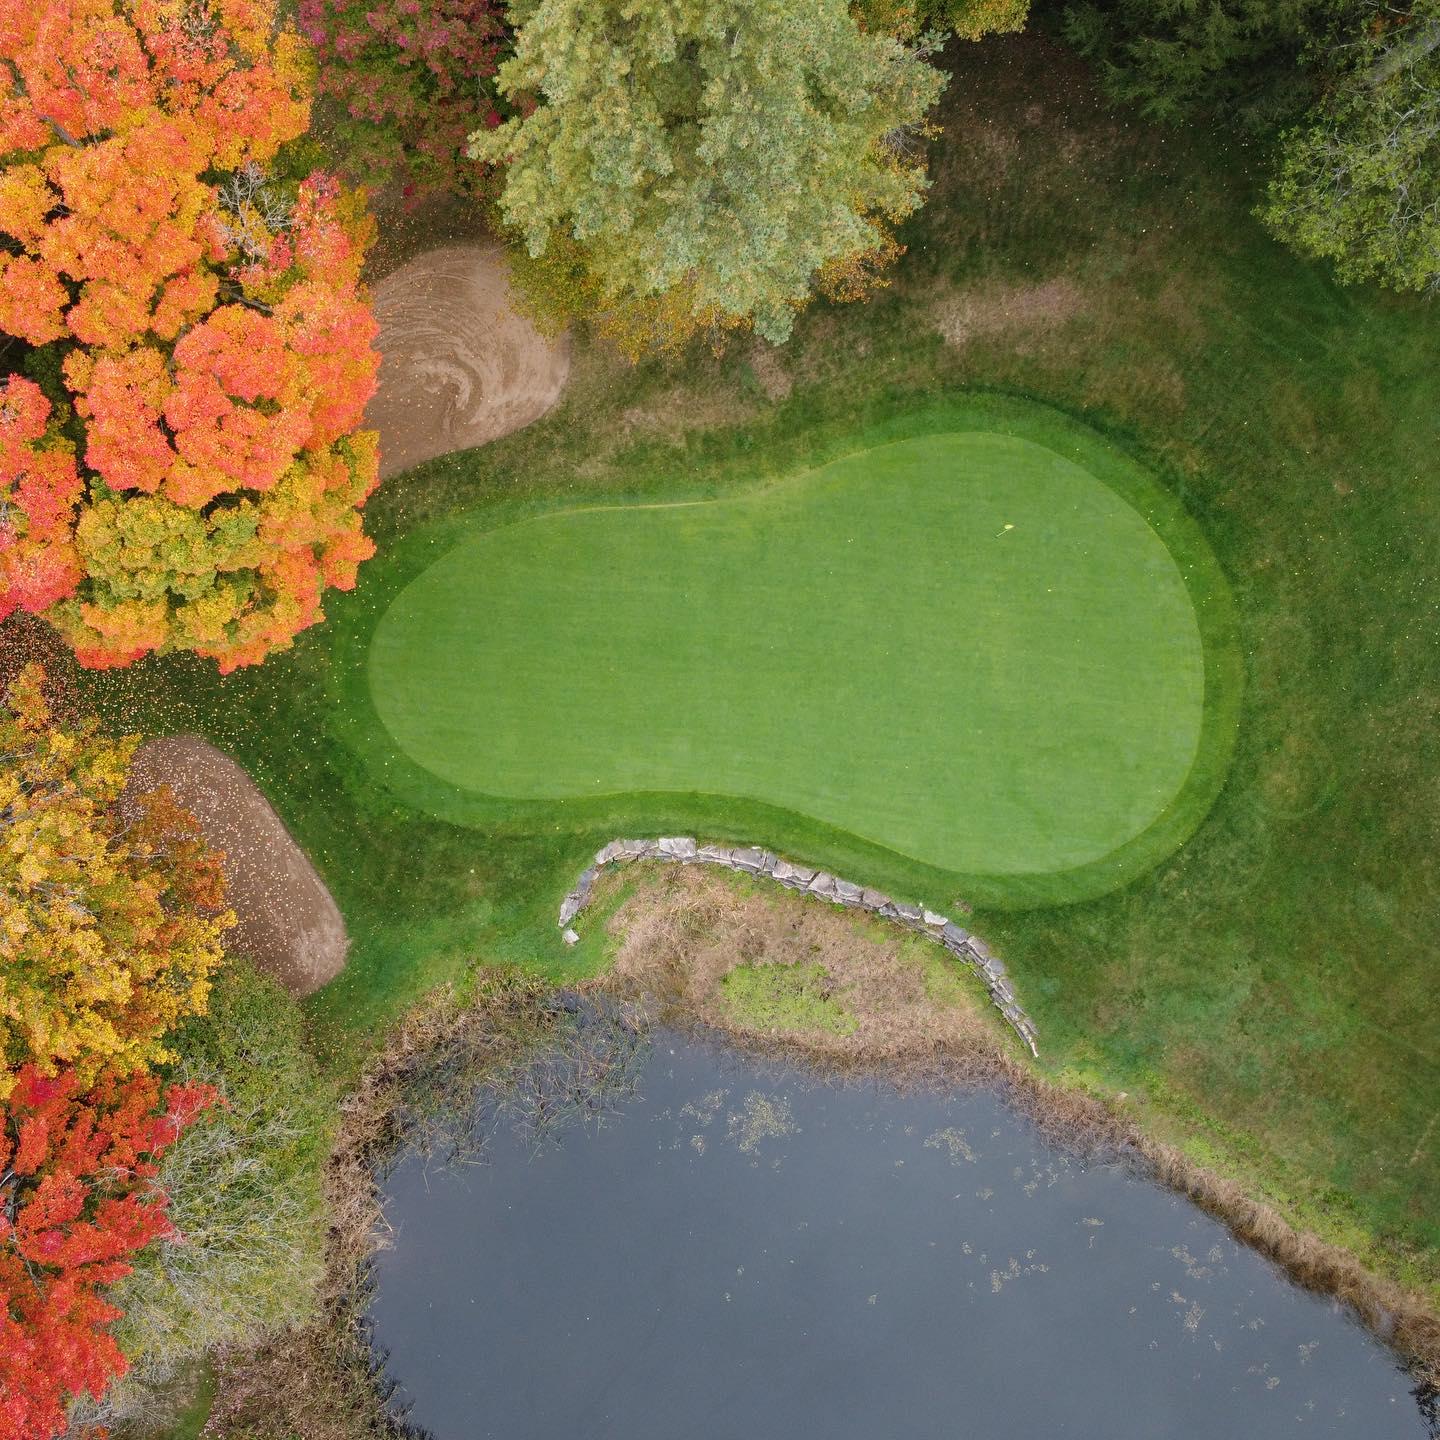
[771,373]
[686,928]
[1004,308]
[683,409]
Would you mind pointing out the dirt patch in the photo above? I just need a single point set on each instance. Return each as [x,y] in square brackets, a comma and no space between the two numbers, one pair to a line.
[774,378]
[459,365]
[1001,309]
[286,920]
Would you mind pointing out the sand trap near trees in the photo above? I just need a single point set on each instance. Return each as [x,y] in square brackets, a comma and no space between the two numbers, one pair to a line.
[287,922]
[459,365]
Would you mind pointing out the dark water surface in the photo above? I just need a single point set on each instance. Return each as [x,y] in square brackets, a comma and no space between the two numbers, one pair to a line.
[740,1254]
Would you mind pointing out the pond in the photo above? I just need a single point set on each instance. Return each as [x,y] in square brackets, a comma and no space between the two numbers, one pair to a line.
[739,1253]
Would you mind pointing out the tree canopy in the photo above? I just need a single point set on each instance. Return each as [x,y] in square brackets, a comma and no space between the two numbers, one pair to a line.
[180,466]
[110,921]
[969,19]
[709,163]
[1359,184]
[77,1201]
[1348,89]
[407,83]
[1237,58]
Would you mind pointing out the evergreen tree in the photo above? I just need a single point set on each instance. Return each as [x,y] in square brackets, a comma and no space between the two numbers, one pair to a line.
[707,164]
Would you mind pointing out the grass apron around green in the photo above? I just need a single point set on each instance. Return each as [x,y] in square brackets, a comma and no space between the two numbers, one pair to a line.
[964,647]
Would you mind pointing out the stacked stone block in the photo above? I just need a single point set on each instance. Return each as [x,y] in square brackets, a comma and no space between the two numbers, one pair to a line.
[819,884]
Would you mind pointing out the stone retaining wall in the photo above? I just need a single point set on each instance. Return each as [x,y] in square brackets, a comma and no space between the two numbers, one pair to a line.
[751,860]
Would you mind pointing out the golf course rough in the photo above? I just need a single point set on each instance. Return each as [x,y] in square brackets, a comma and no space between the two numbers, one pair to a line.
[962,647]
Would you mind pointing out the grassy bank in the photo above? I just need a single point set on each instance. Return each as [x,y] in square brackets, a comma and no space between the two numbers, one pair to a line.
[1263,995]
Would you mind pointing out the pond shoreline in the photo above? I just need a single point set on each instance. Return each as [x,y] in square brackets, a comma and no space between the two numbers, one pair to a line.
[816,884]
[456,1041]
[729,1207]
[1073,1118]
[324,1381]
[1083,1124]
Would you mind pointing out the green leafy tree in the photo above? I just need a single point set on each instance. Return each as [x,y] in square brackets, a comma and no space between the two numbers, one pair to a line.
[1350,89]
[1175,58]
[1360,183]
[707,164]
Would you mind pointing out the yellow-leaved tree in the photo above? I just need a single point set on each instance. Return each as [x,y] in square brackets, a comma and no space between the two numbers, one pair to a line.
[968,19]
[110,913]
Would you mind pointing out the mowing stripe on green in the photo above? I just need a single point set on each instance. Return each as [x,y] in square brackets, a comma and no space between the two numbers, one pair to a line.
[961,646]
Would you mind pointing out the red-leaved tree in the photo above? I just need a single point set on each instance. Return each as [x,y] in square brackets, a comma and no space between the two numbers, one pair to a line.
[180,465]
[77,1199]
[409,81]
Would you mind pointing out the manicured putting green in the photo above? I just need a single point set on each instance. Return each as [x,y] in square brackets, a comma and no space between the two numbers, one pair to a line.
[962,646]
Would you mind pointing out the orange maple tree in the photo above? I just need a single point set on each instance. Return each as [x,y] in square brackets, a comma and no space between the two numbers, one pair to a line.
[181,465]
[77,1199]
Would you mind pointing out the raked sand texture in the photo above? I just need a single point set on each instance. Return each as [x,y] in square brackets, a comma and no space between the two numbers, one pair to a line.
[286,920]
[459,366]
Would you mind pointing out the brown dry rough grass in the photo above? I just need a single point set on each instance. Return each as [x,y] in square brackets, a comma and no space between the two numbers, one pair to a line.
[1000,308]
[322,1382]
[685,929]
[679,931]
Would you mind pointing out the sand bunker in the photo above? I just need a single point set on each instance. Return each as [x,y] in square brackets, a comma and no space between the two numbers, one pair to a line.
[287,922]
[459,365]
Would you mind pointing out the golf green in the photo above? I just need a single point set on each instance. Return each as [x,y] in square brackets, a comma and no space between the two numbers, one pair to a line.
[961,646]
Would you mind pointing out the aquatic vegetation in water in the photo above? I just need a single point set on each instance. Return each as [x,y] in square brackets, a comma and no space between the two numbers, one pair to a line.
[954,1141]
[831,1265]
[763,1117]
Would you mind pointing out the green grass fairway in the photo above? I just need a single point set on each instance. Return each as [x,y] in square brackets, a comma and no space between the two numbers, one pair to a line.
[963,647]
